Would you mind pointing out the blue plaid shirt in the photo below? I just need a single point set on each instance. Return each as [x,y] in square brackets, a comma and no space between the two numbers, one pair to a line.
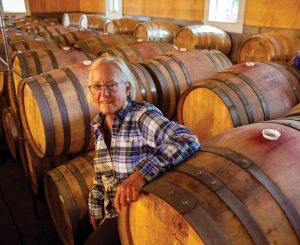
[142,140]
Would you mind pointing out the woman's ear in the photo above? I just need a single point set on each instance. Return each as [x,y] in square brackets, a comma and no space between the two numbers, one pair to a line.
[128,87]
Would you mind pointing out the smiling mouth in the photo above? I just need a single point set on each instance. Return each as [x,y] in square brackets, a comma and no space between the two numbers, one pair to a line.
[105,102]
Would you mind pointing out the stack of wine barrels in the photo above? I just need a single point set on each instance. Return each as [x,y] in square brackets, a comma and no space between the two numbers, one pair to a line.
[241,189]
[53,132]
[30,58]
[195,202]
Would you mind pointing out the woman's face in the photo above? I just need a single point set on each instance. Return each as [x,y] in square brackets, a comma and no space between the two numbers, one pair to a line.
[109,100]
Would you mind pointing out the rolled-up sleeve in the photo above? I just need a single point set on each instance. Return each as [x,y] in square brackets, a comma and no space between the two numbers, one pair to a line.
[172,142]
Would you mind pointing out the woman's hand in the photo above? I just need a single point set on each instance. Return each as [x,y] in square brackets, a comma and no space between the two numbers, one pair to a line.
[129,190]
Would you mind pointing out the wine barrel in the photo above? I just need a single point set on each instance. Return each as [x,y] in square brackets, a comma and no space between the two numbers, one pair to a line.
[241,189]
[28,64]
[203,37]
[39,27]
[98,44]
[174,72]
[54,112]
[144,86]
[93,21]
[29,45]
[237,96]
[71,19]
[140,51]
[10,128]
[67,188]
[156,31]
[121,26]
[272,46]
[57,30]
[17,22]
[14,35]
[70,38]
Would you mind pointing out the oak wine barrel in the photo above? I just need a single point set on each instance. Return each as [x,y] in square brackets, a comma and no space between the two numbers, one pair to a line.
[241,189]
[29,45]
[98,44]
[71,19]
[93,21]
[121,26]
[15,35]
[31,63]
[27,64]
[52,31]
[144,86]
[271,46]
[176,71]
[156,31]
[237,96]
[203,37]
[67,188]
[54,111]
[16,22]
[10,128]
[140,51]
[70,38]
[37,28]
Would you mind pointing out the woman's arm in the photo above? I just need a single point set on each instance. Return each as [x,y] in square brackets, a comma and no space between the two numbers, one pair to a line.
[173,143]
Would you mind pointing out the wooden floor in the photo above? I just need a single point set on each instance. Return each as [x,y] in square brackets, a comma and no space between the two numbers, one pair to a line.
[19,223]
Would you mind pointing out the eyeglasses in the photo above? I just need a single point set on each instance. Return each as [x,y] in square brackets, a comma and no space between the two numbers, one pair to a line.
[110,87]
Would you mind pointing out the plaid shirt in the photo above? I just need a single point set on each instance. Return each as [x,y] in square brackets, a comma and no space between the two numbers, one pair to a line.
[142,140]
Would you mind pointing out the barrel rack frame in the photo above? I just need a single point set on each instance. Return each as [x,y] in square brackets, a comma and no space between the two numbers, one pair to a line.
[6,64]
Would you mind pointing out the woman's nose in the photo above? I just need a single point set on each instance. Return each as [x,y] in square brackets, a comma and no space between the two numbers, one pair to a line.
[104,91]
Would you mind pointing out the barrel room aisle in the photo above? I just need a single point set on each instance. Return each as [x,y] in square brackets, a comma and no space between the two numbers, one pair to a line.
[227,70]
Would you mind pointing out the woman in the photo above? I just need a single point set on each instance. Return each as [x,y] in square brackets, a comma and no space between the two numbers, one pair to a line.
[134,143]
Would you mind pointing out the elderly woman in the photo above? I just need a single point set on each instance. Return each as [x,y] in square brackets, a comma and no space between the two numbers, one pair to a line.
[134,143]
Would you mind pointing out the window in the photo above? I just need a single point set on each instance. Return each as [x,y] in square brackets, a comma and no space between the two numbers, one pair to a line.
[114,8]
[225,14]
[15,7]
